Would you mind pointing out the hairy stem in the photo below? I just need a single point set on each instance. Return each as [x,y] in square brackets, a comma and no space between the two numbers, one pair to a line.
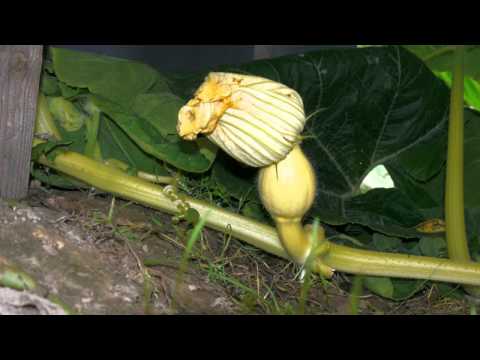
[340,258]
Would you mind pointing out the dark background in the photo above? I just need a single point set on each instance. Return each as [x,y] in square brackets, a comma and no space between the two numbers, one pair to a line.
[194,57]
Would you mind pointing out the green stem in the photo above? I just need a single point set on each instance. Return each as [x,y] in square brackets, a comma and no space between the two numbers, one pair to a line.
[370,263]
[454,191]
[456,233]
[340,258]
[92,148]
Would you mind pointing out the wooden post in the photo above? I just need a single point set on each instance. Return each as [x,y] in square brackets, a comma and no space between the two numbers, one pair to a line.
[20,69]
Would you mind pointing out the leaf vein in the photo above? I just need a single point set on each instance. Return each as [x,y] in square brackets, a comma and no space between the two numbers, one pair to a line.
[390,108]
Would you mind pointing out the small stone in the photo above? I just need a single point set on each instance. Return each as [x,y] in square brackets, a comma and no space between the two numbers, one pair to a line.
[221,302]
[60,245]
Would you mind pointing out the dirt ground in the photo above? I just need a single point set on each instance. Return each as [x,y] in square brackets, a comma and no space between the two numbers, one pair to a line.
[87,259]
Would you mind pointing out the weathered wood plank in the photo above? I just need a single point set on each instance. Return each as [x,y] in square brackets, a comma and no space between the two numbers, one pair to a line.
[20,68]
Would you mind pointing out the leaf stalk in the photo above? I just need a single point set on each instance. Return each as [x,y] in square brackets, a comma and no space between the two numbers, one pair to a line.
[338,257]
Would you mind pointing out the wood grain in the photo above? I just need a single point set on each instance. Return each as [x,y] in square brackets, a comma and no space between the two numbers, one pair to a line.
[20,68]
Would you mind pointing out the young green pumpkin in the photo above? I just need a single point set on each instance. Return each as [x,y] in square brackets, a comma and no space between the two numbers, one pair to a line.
[259,122]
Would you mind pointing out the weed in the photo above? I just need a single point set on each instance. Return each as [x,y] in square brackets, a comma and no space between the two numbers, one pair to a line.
[357,289]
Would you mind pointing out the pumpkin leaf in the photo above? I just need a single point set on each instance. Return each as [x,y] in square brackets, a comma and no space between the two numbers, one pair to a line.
[439,58]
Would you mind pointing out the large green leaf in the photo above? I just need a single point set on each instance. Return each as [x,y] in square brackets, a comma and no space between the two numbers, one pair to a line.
[405,169]
[418,195]
[159,109]
[138,99]
[115,144]
[376,104]
[424,161]
[188,156]
[440,60]
[387,211]
[115,79]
